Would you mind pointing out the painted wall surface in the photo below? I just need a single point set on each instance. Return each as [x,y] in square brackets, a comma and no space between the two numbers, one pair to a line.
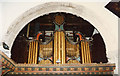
[94,12]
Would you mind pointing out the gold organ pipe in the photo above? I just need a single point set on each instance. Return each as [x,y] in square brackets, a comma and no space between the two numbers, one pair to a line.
[36,52]
[31,53]
[31,58]
[82,52]
[64,56]
[59,50]
[63,48]
[87,51]
[55,47]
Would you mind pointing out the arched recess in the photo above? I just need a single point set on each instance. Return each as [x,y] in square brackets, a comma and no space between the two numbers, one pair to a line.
[40,10]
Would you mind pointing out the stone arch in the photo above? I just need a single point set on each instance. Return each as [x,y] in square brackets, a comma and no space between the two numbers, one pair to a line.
[40,10]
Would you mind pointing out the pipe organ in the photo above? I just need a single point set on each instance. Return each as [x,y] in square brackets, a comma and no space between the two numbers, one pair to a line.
[60,49]
[57,51]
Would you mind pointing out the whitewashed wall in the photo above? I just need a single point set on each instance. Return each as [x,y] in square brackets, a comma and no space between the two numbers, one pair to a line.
[15,15]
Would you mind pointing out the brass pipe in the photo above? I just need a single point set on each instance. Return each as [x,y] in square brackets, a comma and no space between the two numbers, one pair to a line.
[33,52]
[89,53]
[36,52]
[31,56]
[82,52]
[87,58]
[55,47]
[86,52]
[59,50]
[64,56]
[63,47]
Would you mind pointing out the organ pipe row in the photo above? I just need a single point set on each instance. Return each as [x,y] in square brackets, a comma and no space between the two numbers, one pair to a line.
[85,51]
[33,52]
[61,50]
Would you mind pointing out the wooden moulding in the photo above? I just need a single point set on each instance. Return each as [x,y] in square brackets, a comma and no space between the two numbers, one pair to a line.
[65,69]
[92,68]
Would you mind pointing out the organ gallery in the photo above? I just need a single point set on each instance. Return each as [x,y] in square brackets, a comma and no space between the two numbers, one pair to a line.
[58,43]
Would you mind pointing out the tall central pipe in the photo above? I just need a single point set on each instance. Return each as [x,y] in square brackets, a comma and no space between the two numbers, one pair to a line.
[59,48]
